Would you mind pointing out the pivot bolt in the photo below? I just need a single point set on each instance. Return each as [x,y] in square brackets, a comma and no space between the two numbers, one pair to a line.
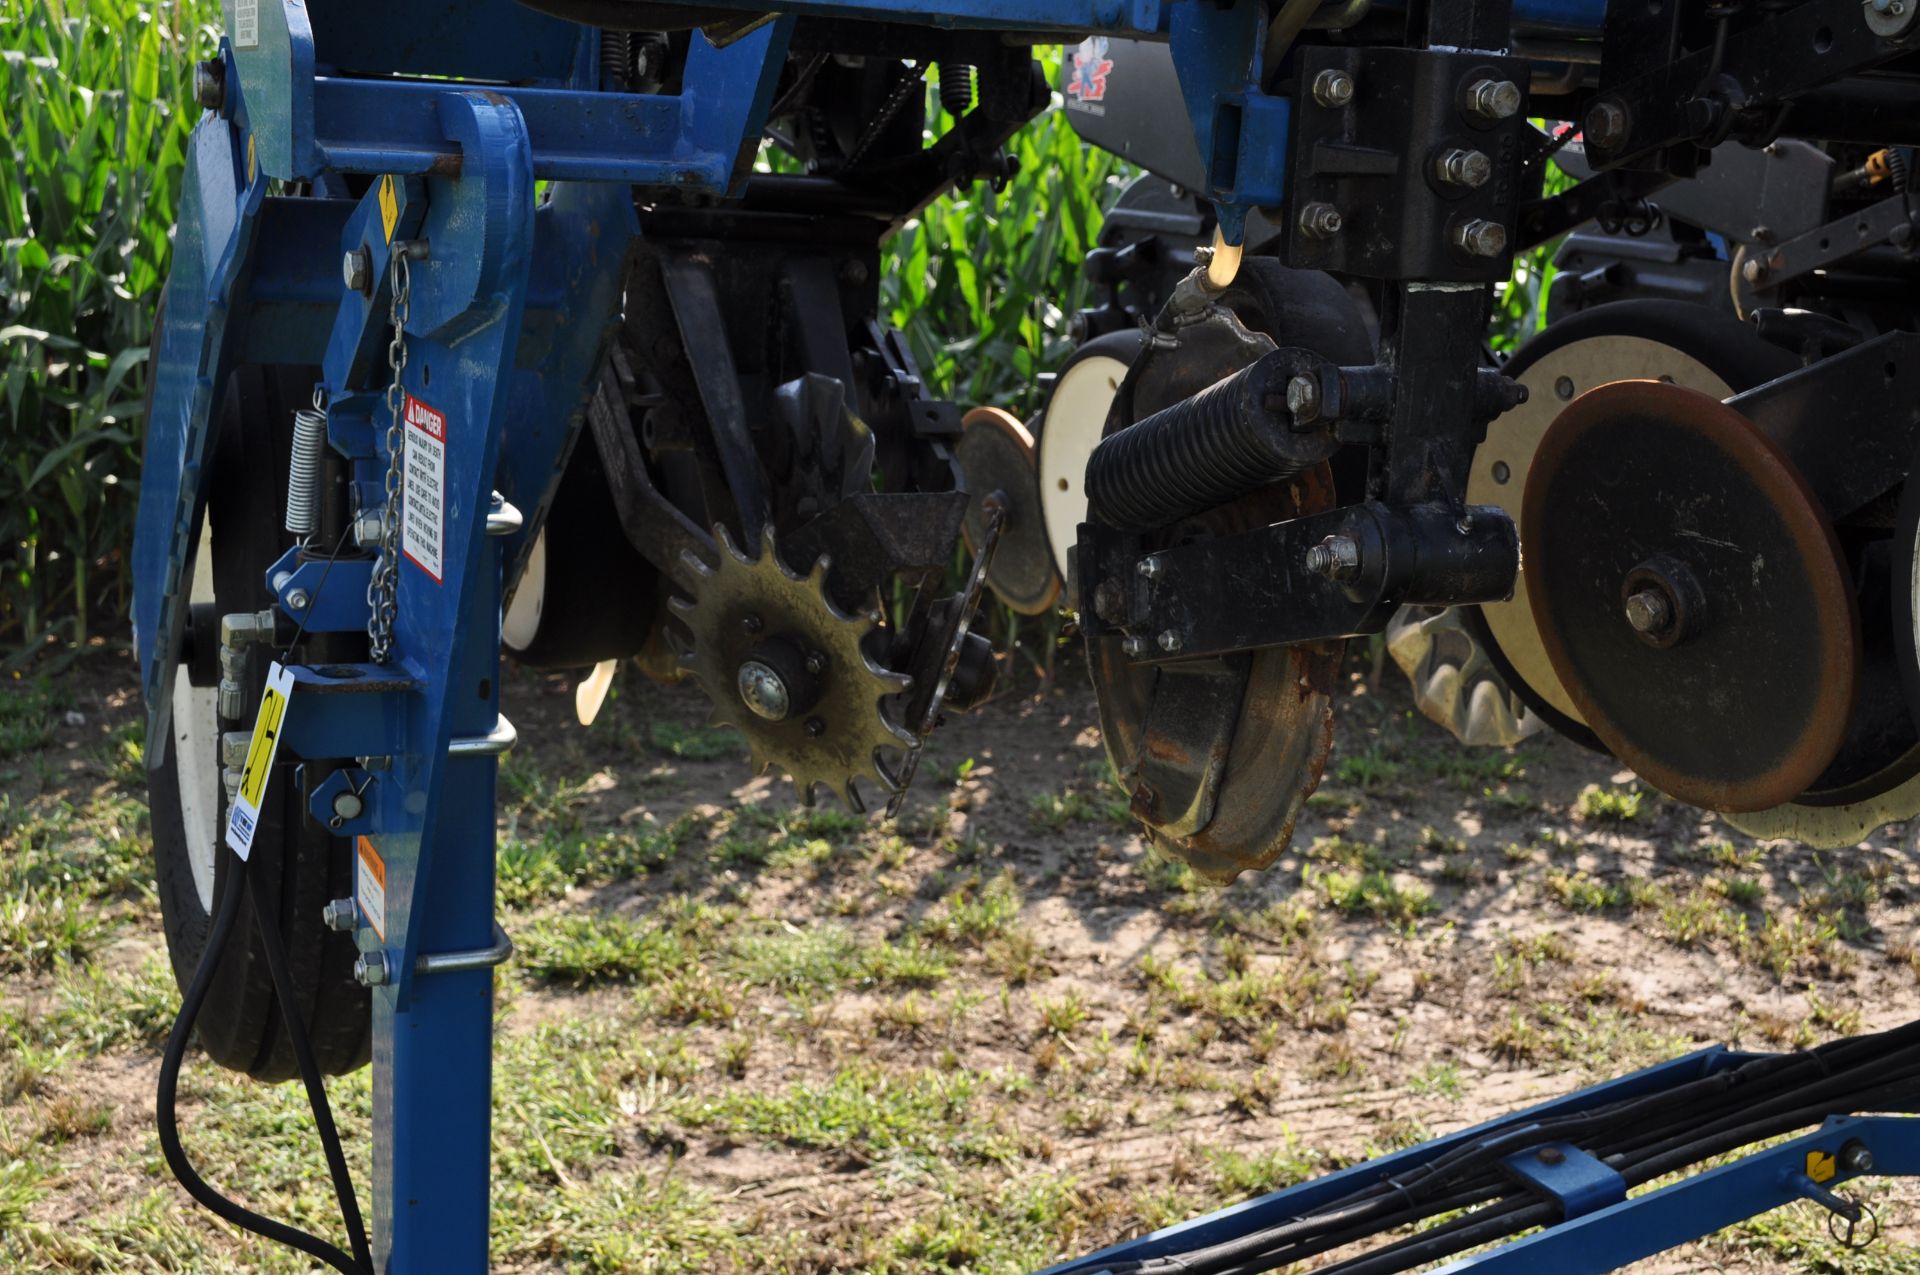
[1303,398]
[339,914]
[370,969]
[356,268]
[1493,99]
[1333,87]
[1753,270]
[1606,123]
[210,84]
[1320,221]
[1170,642]
[1856,1158]
[1480,237]
[298,600]
[347,806]
[1148,567]
[1463,168]
[762,691]
[1648,611]
[1335,558]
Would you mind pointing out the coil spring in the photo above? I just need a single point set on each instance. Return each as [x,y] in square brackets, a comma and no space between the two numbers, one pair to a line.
[1899,169]
[616,58]
[956,88]
[303,470]
[1197,454]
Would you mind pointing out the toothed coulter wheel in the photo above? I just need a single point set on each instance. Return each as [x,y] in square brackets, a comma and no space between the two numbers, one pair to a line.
[790,671]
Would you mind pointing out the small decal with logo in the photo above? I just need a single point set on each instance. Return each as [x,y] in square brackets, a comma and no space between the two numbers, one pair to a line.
[1087,83]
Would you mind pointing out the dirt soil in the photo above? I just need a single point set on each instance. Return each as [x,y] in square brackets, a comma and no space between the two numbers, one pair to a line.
[994,1033]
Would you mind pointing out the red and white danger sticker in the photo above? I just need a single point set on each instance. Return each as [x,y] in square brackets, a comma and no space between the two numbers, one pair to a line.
[424,507]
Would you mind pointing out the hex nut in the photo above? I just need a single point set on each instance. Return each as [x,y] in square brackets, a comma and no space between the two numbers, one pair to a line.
[340,914]
[1303,397]
[1170,642]
[1480,237]
[1493,99]
[1320,221]
[1459,167]
[370,969]
[1333,87]
[1335,558]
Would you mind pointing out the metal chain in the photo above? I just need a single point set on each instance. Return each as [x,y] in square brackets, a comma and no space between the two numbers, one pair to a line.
[384,588]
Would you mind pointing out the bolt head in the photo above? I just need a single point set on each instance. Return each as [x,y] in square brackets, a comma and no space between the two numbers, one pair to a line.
[1135,646]
[1170,641]
[1463,168]
[370,969]
[1333,88]
[348,804]
[356,268]
[1753,270]
[1648,611]
[1148,567]
[1856,1158]
[1606,123]
[762,691]
[1321,221]
[1109,603]
[1480,237]
[298,600]
[210,84]
[1494,99]
[1335,558]
[1303,397]
[816,663]
[1882,6]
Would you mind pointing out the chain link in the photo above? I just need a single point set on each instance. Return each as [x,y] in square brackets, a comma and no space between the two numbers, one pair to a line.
[383,589]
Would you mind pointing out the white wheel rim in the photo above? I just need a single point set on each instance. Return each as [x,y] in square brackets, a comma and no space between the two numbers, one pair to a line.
[1076,415]
[196,746]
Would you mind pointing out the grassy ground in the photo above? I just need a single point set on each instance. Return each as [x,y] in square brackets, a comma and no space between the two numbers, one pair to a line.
[742,1036]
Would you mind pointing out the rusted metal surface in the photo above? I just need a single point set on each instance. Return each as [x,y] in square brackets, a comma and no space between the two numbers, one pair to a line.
[997,453]
[1650,483]
[1218,786]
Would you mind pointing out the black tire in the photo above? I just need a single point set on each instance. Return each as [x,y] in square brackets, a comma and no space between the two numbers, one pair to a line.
[301,865]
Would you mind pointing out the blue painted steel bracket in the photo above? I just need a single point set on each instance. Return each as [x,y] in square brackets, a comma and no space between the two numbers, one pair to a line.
[1564,1173]
[1241,130]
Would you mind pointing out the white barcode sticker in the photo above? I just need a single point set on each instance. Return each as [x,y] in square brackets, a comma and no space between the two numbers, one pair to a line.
[246,24]
[243,815]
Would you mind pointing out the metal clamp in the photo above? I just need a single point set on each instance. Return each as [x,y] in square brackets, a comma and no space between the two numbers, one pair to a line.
[496,742]
[479,958]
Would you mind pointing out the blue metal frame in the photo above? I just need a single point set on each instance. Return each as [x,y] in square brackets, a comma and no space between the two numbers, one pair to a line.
[511,307]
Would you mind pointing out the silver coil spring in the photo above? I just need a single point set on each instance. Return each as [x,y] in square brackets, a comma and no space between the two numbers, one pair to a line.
[303,471]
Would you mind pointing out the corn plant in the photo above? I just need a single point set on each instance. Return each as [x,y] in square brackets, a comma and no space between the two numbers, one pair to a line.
[98,104]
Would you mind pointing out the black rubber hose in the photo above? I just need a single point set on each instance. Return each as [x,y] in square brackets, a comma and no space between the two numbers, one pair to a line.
[276,950]
[166,1115]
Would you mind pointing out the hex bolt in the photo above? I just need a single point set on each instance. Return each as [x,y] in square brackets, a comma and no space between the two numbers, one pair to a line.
[1320,221]
[1551,1155]
[1856,1158]
[356,268]
[752,623]
[210,84]
[1753,270]
[1648,611]
[1109,602]
[1148,567]
[298,599]
[347,806]
[816,663]
[1493,99]
[1480,237]
[1606,123]
[1135,646]
[1335,558]
[370,969]
[1303,397]
[1333,87]
[1462,168]
[339,914]
[816,727]
[1170,641]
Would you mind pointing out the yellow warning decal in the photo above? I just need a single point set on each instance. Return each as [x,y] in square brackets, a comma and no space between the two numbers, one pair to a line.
[244,815]
[253,165]
[389,206]
[1821,1166]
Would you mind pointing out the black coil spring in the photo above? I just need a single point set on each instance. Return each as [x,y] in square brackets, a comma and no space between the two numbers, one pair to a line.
[956,88]
[1197,454]
[1899,168]
[616,58]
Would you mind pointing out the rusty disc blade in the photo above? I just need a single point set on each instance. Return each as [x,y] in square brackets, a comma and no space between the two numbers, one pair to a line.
[1691,595]
[997,453]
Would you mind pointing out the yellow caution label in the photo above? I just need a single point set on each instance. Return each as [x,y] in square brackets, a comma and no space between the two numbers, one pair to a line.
[243,817]
[389,206]
[1821,1166]
[253,165]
